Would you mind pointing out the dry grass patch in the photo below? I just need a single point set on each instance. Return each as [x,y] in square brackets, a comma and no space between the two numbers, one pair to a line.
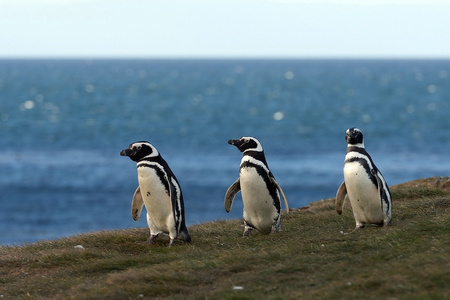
[315,256]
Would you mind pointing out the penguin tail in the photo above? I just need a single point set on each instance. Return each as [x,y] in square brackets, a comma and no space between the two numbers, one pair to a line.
[184,235]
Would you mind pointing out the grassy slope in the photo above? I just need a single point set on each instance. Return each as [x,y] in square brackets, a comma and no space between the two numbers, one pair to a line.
[316,256]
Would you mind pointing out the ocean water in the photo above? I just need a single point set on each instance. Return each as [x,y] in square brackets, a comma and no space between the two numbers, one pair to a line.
[64,122]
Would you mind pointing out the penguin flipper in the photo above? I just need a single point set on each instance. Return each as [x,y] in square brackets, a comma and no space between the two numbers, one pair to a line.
[281,192]
[231,193]
[137,204]
[340,196]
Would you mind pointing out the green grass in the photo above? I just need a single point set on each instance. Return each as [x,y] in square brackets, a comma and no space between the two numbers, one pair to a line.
[315,256]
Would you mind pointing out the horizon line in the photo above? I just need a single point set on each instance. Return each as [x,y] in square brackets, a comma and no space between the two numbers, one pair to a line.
[138,57]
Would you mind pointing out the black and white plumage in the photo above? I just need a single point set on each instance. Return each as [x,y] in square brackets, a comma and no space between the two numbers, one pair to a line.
[260,191]
[367,190]
[159,191]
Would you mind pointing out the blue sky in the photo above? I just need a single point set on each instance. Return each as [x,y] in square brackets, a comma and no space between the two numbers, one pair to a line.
[225,29]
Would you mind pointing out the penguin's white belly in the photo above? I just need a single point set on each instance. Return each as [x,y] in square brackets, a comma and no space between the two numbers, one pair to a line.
[156,199]
[363,195]
[259,209]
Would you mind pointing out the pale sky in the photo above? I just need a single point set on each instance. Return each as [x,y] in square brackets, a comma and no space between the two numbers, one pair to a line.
[225,28]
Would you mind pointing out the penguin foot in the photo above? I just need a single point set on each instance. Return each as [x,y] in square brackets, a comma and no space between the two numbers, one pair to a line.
[275,228]
[185,236]
[173,242]
[358,227]
[247,232]
[151,240]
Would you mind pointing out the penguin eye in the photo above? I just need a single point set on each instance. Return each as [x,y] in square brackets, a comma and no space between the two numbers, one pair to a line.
[246,140]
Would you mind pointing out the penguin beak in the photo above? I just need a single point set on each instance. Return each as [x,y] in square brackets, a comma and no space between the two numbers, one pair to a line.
[237,143]
[348,137]
[125,152]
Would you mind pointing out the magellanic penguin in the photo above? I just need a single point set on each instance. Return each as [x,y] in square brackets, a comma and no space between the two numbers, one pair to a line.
[159,191]
[260,191]
[366,188]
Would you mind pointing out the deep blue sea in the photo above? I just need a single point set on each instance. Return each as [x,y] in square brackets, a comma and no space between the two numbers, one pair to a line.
[64,122]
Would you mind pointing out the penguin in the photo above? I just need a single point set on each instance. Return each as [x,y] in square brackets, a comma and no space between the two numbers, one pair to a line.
[260,191]
[366,187]
[159,191]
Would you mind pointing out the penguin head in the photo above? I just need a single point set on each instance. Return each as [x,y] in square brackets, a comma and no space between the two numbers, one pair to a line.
[354,136]
[138,150]
[247,143]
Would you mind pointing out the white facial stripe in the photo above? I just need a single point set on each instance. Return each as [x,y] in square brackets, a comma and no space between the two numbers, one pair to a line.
[153,154]
[154,151]
[139,145]
[354,129]
[258,147]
